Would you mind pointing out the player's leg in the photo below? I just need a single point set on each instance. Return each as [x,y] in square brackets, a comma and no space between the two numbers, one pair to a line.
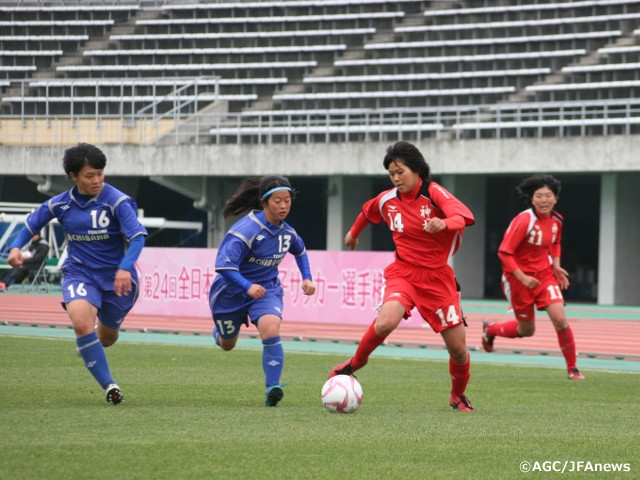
[459,366]
[566,341]
[522,300]
[272,357]
[265,314]
[110,317]
[83,318]
[228,312]
[397,301]
[225,334]
[389,316]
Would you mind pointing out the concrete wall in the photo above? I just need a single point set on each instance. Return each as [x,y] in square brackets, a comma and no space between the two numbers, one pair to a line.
[573,154]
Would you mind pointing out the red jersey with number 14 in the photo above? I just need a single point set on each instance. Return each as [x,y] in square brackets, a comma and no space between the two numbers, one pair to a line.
[407,214]
[531,242]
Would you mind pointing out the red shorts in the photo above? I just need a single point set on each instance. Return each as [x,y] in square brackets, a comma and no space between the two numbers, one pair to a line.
[433,292]
[523,299]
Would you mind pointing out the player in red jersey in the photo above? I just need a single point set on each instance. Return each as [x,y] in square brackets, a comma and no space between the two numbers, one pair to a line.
[532,275]
[427,223]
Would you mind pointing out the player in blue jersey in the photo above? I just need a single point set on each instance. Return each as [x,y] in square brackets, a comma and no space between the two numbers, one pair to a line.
[104,239]
[247,287]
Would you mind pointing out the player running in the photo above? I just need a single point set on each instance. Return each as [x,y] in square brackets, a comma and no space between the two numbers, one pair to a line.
[532,275]
[247,286]
[427,223]
[104,240]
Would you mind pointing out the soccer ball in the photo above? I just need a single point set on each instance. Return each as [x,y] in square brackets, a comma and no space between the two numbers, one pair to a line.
[342,394]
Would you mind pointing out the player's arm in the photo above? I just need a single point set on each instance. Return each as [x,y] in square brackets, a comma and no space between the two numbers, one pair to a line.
[127,216]
[15,258]
[456,214]
[515,235]
[33,224]
[370,214]
[560,273]
[302,260]
[351,239]
[230,254]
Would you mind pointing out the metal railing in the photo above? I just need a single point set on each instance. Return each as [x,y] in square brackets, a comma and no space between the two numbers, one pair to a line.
[178,125]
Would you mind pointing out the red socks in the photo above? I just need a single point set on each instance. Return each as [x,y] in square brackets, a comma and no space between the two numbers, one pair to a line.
[567,346]
[459,376]
[507,329]
[368,343]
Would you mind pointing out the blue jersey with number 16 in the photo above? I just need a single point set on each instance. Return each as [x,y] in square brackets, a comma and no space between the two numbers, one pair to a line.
[96,231]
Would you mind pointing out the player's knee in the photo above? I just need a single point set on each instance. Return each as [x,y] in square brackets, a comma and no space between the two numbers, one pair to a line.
[560,323]
[459,354]
[108,340]
[526,329]
[228,344]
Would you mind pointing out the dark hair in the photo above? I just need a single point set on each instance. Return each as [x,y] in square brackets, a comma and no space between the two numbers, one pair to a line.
[529,186]
[411,157]
[75,158]
[250,194]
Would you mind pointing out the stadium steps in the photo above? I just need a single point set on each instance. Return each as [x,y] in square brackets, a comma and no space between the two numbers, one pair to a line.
[76,57]
[591,58]
[352,53]
[523,96]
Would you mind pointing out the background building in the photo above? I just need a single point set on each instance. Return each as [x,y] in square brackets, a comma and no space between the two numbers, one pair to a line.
[188,98]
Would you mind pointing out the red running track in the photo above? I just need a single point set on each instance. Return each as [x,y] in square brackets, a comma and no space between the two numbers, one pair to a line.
[595,337]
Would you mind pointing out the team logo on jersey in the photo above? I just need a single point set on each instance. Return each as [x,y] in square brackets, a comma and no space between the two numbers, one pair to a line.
[260,237]
[64,207]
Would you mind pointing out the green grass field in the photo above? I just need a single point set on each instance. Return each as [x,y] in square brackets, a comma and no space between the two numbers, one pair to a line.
[194,412]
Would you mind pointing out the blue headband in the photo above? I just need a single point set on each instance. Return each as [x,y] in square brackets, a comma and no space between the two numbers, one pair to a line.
[275,190]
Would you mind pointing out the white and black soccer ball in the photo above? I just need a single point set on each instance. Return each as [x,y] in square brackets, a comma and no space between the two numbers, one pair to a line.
[342,394]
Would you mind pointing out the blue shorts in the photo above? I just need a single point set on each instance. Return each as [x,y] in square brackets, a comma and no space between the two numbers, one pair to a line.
[230,307]
[96,287]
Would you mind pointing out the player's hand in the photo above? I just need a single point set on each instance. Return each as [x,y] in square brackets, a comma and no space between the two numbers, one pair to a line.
[562,276]
[256,291]
[529,282]
[15,258]
[350,241]
[308,287]
[435,225]
[122,284]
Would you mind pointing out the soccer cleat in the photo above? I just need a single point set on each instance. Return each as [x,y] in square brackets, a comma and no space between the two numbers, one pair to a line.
[460,403]
[344,368]
[3,287]
[114,394]
[274,395]
[574,374]
[487,340]
[216,335]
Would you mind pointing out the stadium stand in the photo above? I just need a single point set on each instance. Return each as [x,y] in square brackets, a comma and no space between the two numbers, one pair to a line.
[338,70]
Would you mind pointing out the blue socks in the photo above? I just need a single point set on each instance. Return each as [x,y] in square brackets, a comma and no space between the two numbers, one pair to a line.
[95,360]
[272,360]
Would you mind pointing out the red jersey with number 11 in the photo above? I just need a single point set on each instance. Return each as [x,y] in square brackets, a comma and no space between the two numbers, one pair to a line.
[531,242]
[407,214]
